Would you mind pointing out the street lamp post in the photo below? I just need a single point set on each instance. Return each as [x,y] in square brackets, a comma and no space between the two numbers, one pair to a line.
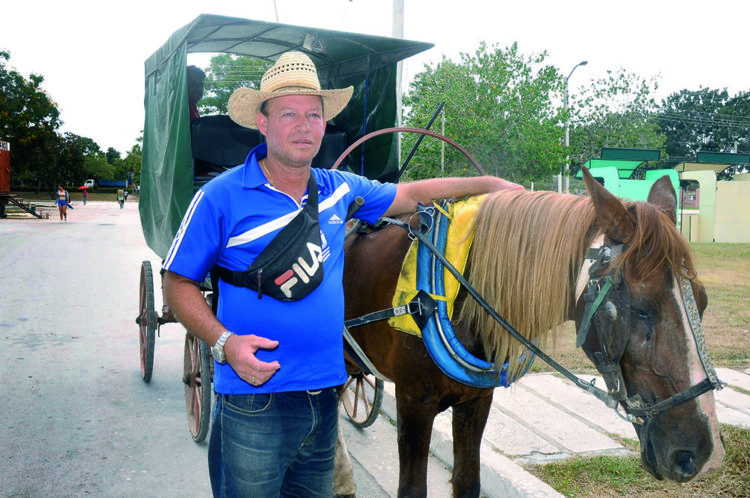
[567,128]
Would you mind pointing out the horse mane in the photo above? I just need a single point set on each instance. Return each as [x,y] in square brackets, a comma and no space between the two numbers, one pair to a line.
[527,252]
[655,244]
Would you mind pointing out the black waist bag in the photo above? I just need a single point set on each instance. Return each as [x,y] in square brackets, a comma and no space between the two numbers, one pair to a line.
[290,267]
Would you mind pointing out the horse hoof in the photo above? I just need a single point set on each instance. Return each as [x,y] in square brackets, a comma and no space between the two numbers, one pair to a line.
[345,496]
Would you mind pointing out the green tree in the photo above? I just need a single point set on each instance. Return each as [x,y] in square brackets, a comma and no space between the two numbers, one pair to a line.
[73,155]
[97,166]
[614,111]
[112,155]
[28,120]
[498,106]
[70,160]
[705,120]
[132,162]
[224,75]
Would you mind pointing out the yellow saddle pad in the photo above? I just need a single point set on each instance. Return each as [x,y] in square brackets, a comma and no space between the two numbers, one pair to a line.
[460,237]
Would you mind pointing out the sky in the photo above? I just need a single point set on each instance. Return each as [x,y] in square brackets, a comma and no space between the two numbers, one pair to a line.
[92,53]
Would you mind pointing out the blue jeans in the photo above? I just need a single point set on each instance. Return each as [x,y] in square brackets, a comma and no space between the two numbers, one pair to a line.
[270,445]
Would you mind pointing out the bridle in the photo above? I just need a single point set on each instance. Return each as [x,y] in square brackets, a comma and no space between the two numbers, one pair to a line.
[608,312]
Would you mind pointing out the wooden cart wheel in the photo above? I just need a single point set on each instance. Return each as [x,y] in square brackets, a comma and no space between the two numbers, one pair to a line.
[147,321]
[197,380]
[362,396]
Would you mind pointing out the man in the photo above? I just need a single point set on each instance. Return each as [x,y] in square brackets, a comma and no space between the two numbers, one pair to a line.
[195,81]
[278,342]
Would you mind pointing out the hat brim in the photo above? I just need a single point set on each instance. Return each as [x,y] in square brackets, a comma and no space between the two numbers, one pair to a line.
[245,102]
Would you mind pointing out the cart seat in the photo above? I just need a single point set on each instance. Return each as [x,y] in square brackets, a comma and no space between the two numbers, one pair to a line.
[333,145]
[218,144]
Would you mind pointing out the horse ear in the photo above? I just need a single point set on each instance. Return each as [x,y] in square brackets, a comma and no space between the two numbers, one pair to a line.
[616,222]
[663,196]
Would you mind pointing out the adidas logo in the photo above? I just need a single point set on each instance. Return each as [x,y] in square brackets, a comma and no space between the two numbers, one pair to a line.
[335,220]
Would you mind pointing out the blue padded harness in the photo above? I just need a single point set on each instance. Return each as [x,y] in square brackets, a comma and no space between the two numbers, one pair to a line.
[441,342]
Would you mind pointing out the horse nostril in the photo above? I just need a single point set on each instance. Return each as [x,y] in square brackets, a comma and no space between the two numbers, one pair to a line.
[684,461]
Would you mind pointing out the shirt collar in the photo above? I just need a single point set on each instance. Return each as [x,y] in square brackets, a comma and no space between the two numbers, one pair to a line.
[253,176]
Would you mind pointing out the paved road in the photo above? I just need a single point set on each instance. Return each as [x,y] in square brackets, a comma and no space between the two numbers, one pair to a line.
[80,421]
[77,418]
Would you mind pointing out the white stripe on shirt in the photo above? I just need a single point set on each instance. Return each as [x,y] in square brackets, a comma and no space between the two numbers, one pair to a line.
[282,221]
[262,230]
[181,231]
[340,192]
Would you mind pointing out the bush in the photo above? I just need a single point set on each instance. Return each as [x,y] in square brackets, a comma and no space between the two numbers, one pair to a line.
[32,188]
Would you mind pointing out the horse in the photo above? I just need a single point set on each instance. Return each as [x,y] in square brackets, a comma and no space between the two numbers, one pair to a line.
[527,260]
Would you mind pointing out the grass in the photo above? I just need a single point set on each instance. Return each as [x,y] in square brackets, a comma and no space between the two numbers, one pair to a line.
[724,269]
[624,476]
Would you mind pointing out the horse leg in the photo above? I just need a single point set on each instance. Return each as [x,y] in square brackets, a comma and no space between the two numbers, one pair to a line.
[414,431]
[469,420]
[343,472]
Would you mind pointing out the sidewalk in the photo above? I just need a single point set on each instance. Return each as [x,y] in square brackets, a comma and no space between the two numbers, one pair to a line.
[543,418]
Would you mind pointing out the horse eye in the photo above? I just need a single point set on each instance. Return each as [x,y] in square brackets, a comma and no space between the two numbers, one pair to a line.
[611,310]
[642,314]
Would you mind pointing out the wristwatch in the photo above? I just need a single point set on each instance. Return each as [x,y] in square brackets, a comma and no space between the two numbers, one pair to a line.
[218,349]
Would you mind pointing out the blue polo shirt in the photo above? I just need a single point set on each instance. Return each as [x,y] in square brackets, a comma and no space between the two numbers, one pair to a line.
[229,222]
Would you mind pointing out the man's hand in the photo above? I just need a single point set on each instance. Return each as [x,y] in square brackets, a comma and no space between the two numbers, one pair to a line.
[240,352]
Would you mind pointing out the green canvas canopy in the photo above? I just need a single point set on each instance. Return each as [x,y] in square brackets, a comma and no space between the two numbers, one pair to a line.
[368,63]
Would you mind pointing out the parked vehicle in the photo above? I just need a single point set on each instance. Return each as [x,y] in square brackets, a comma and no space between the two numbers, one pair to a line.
[113,183]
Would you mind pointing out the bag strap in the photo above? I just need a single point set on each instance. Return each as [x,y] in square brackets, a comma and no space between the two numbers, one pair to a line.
[246,278]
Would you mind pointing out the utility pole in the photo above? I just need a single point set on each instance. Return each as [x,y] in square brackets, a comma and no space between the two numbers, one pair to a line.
[567,131]
[398,32]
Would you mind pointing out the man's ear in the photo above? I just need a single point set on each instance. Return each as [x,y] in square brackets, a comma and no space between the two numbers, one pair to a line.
[261,121]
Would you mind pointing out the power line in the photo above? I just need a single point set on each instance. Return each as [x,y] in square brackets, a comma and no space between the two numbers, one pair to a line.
[729,122]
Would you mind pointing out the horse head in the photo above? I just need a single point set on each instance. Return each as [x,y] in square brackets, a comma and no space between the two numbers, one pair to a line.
[639,323]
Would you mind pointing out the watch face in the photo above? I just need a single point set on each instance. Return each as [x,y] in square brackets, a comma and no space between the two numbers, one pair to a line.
[218,353]
[218,349]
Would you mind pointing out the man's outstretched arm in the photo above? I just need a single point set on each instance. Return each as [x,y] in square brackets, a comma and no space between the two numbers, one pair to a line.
[425,191]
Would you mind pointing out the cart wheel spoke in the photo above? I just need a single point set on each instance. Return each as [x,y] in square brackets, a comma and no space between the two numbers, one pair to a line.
[197,380]
[362,396]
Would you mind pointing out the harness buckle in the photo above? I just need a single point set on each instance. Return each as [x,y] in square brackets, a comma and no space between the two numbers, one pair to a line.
[401,310]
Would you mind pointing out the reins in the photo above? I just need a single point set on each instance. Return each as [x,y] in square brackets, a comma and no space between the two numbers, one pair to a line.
[587,386]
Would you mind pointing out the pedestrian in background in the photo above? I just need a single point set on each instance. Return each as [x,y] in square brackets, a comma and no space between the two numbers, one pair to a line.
[63,198]
[121,197]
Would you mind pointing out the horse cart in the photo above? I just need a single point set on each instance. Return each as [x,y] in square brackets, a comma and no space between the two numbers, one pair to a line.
[619,269]
[179,156]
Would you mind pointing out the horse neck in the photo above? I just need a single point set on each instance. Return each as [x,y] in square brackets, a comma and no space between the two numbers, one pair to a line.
[527,254]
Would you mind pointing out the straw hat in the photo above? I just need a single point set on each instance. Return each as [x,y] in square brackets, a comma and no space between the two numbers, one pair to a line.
[292,74]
